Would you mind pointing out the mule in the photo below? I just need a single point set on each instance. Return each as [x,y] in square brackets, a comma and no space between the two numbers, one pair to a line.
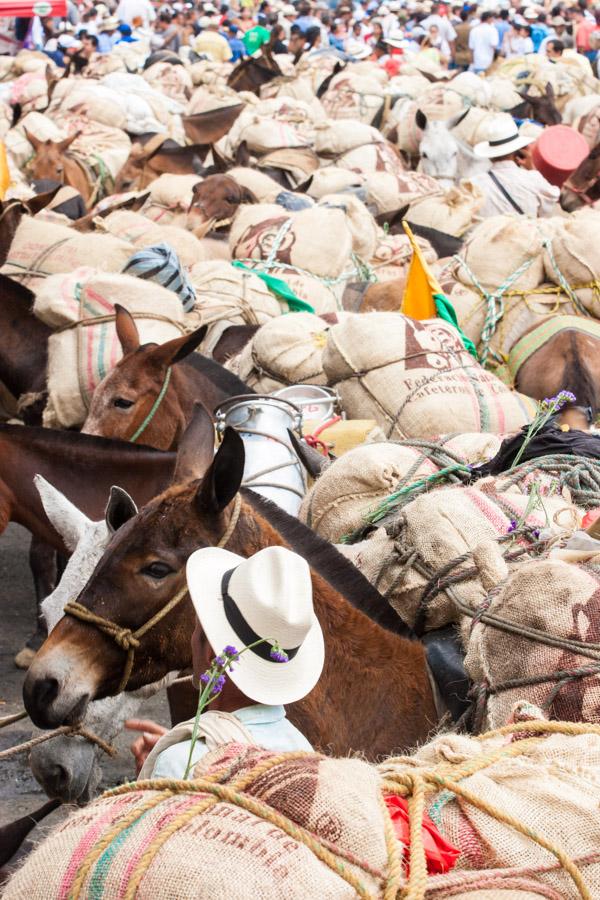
[210,126]
[125,398]
[541,109]
[217,199]
[52,160]
[374,694]
[444,156]
[252,73]
[569,361]
[157,157]
[11,213]
[582,187]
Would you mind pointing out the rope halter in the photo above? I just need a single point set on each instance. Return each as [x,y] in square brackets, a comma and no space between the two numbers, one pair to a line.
[127,639]
[154,409]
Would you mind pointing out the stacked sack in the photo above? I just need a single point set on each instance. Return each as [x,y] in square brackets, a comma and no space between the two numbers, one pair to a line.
[80,304]
[170,199]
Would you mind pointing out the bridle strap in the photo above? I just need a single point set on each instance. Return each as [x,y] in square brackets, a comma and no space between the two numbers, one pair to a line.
[127,639]
[159,399]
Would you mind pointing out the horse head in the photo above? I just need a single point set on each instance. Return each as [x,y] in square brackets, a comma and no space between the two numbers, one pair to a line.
[583,185]
[542,109]
[49,158]
[217,198]
[140,577]
[143,388]
[439,148]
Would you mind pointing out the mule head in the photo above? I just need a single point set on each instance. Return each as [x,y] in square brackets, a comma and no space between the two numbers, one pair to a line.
[218,197]
[543,109]
[583,185]
[438,148]
[142,569]
[48,161]
[143,388]
[131,176]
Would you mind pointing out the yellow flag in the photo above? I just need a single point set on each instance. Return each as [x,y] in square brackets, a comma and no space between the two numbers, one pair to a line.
[421,285]
[4,172]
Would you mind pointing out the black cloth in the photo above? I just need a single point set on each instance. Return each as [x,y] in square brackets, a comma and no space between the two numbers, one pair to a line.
[549,441]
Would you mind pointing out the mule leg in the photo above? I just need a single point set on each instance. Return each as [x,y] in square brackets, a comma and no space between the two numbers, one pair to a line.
[43,565]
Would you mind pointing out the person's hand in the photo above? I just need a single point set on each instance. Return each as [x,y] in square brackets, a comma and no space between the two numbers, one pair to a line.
[141,747]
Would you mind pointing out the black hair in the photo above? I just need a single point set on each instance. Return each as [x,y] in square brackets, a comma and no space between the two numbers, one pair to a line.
[557,45]
[486,16]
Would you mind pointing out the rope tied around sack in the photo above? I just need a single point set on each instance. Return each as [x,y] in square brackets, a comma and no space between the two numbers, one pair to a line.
[235,793]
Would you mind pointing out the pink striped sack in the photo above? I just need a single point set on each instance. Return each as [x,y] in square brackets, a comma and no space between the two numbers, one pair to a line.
[416,379]
[85,347]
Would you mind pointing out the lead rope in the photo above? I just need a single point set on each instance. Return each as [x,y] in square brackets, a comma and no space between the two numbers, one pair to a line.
[161,395]
[127,639]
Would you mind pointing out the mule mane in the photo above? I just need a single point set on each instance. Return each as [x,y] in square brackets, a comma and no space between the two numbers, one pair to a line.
[217,374]
[332,565]
[70,439]
[19,291]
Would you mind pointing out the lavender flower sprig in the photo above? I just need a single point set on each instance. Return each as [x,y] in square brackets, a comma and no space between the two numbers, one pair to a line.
[213,681]
[545,410]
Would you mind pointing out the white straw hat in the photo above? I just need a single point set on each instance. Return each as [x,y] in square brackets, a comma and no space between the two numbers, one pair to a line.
[357,49]
[503,138]
[238,601]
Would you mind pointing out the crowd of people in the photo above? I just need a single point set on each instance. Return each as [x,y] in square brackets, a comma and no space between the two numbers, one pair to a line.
[464,37]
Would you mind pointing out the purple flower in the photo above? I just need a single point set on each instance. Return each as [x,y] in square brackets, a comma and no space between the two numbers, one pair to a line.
[536,533]
[230,651]
[220,661]
[278,655]
[512,526]
[205,677]
[218,685]
[555,403]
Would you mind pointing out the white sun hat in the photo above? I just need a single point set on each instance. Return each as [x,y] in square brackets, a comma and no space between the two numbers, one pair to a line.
[503,138]
[357,49]
[239,601]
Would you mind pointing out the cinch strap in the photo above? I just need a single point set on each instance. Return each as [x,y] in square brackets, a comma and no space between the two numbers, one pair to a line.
[242,629]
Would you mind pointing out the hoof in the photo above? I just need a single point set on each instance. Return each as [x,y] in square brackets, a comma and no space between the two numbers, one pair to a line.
[24,658]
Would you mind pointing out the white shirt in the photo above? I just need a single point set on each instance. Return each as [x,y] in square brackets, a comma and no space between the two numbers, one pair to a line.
[528,188]
[483,40]
[445,27]
[518,46]
[128,10]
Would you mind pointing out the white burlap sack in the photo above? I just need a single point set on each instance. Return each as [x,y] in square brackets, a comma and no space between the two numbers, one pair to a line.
[264,188]
[285,351]
[173,81]
[351,96]
[335,137]
[37,124]
[102,148]
[500,246]
[379,157]
[271,124]
[205,71]
[170,198]
[40,249]
[333,180]
[228,296]
[81,355]
[96,101]
[358,481]
[362,225]
[221,851]
[317,240]
[30,91]
[454,212]
[391,192]
[416,379]
[574,254]
[143,232]
[548,784]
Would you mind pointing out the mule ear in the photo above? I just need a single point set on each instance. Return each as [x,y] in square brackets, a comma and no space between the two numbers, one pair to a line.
[247,196]
[224,477]
[127,332]
[64,516]
[41,201]
[64,145]
[119,509]
[174,351]
[313,461]
[33,140]
[457,119]
[549,91]
[421,120]
[218,161]
[196,448]
[242,155]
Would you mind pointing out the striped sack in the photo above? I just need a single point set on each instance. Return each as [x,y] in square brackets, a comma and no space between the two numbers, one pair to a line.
[160,263]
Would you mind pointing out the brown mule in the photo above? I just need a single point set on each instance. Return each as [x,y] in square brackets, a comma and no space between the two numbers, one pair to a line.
[252,73]
[582,187]
[51,160]
[149,385]
[569,361]
[218,198]
[374,695]
[158,157]
[11,213]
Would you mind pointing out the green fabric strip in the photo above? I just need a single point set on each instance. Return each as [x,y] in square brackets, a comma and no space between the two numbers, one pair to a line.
[280,287]
[549,328]
[446,311]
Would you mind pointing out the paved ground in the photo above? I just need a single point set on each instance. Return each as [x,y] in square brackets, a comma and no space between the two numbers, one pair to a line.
[19,792]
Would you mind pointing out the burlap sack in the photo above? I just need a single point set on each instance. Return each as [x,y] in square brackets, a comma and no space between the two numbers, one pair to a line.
[362,225]
[560,600]
[475,126]
[40,249]
[453,212]
[285,351]
[408,85]
[549,785]
[498,247]
[30,91]
[204,99]
[288,86]
[143,232]
[223,852]
[228,296]
[380,157]
[416,379]
[393,255]
[37,124]
[391,192]
[170,198]
[333,180]
[317,240]
[79,356]
[103,149]
[335,137]
[271,124]
[264,188]
[174,81]
[574,254]
[351,96]
[205,71]
[323,295]
[96,101]
[413,547]
[356,483]
[503,94]
[298,163]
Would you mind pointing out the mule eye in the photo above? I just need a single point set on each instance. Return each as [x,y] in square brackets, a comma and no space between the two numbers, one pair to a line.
[231,199]
[122,403]
[157,570]
[423,155]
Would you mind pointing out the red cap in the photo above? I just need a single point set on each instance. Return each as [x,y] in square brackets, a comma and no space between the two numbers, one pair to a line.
[558,151]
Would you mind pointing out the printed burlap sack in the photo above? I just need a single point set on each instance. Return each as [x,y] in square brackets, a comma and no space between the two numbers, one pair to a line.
[414,546]
[333,180]
[317,240]
[390,192]
[102,149]
[255,830]
[393,255]
[335,137]
[228,296]
[285,351]
[324,295]
[264,188]
[170,198]
[379,157]
[173,81]
[540,776]
[355,484]
[453,212]
[40,126]
[362,225]
[40,249]
[575,256]
[560,601]
[84,350]
[500,247]
[143,232]
[271,124]
[416,379]
[352,96]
